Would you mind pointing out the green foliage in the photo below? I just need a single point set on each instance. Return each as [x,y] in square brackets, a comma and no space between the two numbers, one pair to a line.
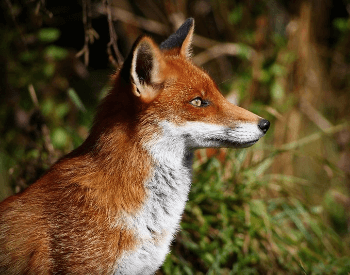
[236,14]
[242,220]
[342,24]
[43,111]
[55,53]
[76,100]
[48,34]
[60,138]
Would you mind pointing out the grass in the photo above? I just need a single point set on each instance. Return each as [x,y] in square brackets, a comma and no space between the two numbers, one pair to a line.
[240,219]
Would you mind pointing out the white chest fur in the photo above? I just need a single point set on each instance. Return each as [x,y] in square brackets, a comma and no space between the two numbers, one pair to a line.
[158,220]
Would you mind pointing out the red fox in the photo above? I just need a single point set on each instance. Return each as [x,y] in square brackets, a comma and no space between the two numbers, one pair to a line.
[114,204]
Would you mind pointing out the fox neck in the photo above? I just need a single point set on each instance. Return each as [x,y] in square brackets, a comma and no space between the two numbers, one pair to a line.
[158,166]
[167,192]
[172,161]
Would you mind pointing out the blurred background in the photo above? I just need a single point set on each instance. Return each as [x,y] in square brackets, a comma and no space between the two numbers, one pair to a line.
[280,207]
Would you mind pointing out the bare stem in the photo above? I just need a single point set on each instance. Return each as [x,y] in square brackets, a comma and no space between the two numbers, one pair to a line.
[113,39]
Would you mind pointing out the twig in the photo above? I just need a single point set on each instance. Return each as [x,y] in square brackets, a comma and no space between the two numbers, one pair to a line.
[113,39]
[44,129]
[151,25]
[47,142]
[85,50]
[311,138]
[315,116]
[90,33]
[16,25]
[41,6]
[222,49]
[246,242]
[204,42]
[215,50]
[33,95]
[274,112]
[137,21]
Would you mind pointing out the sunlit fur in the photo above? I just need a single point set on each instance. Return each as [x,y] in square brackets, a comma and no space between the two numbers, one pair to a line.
[113,205]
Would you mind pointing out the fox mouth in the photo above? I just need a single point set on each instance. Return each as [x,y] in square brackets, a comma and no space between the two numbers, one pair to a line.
[247,144]
[220,142]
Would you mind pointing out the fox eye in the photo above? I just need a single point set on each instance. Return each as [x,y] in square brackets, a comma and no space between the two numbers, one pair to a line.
[199,102]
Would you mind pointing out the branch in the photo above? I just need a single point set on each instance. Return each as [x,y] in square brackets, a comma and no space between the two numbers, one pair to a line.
[44,129]
[223,49]
[151,25]
[113,39]
[16,25]
[90,33]
[313,137]
[131,19]
[42,6]
[33,95]
[315,116]
[216,49]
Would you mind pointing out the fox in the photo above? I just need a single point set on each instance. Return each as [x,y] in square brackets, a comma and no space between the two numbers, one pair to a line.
[114,204]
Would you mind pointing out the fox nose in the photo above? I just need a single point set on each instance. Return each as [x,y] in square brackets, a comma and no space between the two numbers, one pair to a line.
[264,125]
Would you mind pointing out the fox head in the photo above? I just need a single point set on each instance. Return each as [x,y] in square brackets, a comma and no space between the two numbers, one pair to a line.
[161,95]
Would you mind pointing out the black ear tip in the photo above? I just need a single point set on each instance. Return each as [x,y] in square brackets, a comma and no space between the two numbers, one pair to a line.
[176,39]
[187,25]
[189,21]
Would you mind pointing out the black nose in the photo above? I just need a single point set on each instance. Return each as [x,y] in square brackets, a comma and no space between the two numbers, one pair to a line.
[264,125]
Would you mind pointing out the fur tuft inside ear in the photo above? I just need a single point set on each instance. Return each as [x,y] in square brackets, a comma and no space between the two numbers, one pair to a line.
[146,67]
[181,39]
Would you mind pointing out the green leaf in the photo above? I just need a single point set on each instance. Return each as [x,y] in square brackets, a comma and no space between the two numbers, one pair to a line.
[277,91]
[49,69]
[47,106]
[342,24]
[236,15]
[263,166]
[76,100]
[209,258]
[55,52]
[278,70]
[48,35]
[244,51]
[28,56]
[62,110]
[59,138]
[293,215]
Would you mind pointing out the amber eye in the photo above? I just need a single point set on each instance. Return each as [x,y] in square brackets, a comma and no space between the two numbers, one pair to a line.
[198,102]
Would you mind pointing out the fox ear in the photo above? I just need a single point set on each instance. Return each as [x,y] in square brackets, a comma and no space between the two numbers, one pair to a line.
[181,39]
[146,66]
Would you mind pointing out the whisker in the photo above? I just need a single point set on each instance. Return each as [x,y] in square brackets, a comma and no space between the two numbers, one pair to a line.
[225,81]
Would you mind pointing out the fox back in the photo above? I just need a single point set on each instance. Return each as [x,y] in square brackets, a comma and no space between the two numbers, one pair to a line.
[114,204]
